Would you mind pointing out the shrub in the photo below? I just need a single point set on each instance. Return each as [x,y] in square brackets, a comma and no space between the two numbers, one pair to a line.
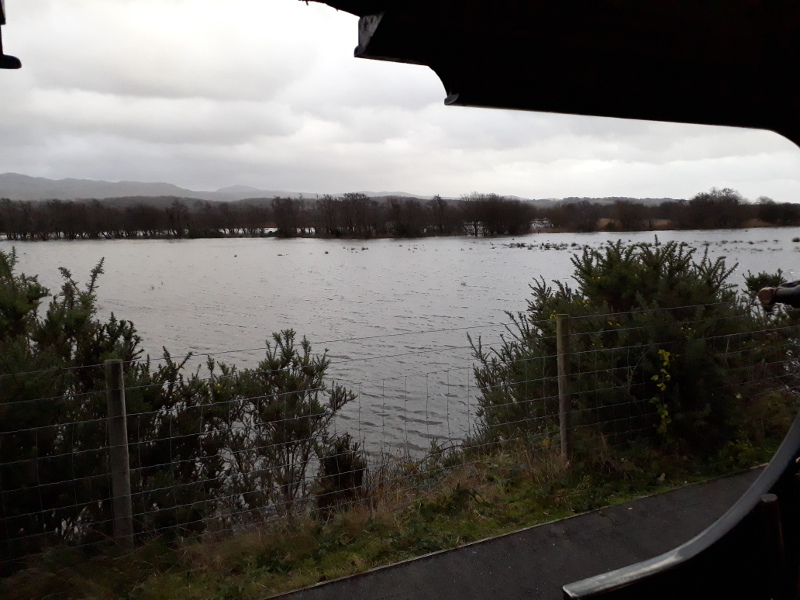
[53,482]
[661,347]
[232,446]
[341,474]
[281,412]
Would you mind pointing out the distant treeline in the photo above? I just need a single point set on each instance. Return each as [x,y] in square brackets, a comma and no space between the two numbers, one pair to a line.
[715,209]
[359,216]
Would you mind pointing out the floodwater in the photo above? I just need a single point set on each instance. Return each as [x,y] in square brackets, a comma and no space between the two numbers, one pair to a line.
[393,314]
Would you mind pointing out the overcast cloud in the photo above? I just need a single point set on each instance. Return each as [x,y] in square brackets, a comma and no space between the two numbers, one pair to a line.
[206,94]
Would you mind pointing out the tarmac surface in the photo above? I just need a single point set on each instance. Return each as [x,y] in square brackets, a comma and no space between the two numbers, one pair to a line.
[536,562]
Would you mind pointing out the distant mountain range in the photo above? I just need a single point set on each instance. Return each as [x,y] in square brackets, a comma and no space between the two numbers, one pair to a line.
[23,187]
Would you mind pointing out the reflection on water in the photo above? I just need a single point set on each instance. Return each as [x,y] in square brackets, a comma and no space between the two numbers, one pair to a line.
[393,314]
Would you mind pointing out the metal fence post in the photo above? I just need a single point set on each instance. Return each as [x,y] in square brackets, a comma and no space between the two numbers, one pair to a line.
[564,400]
[118,445]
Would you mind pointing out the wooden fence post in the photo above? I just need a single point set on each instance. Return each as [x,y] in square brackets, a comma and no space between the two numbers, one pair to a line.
[564,400]
[118,446]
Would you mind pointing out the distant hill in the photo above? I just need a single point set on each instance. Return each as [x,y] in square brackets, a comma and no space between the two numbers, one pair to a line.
[23,187]
[160,202]
[125,193]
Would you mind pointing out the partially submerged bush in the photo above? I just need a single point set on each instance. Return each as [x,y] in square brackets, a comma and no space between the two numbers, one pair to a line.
[341,474]
[281,412]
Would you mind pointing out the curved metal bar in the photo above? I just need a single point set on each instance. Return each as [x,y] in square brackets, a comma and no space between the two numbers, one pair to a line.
[752,551]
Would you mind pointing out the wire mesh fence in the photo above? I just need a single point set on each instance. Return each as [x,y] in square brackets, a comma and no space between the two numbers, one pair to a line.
[230,449]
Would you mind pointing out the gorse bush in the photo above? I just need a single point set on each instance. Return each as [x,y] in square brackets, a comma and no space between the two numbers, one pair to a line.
[281,413]
[661,348]
[230,446]
[41,383]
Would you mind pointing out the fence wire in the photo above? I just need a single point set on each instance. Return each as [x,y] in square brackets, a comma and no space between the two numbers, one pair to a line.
[232,449]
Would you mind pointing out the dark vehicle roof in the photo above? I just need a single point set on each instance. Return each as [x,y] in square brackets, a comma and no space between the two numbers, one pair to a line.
[719,62]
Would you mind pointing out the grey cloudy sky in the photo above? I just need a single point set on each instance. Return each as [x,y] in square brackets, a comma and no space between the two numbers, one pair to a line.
[210,93]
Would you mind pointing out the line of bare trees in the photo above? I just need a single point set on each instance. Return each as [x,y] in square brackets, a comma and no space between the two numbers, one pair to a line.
[94,219]
[358,216]
[348,216]
[716,209]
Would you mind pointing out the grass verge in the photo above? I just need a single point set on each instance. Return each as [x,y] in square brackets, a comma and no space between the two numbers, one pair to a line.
[449,502]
